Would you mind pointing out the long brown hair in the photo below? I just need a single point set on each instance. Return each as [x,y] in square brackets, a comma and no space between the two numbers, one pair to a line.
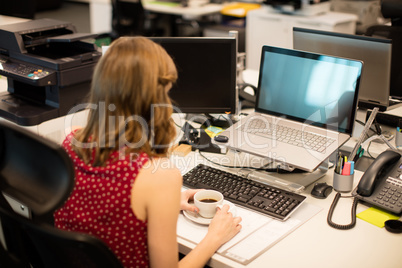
[129,103]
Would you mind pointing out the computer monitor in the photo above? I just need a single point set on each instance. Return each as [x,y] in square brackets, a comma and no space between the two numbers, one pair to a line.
[207,73]
[376,54]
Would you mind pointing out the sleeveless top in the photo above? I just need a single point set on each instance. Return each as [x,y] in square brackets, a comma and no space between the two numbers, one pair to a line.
[100,205]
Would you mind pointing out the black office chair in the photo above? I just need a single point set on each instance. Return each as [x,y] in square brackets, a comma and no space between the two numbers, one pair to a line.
[48,247]
[392,9]
[36,178]
[130,18]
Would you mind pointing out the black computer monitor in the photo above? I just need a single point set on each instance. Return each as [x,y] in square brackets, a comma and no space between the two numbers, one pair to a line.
[376,54]
[207,73]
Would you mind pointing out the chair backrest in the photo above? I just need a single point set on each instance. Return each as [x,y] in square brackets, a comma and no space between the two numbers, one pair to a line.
[127,17]
[42,245]
[36,174]
[392,9]
[36,178]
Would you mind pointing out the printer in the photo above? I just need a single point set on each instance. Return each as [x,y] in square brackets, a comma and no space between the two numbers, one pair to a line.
[49,68]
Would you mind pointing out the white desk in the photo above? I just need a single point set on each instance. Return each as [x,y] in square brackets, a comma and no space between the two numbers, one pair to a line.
[191,11]
[315,243]
[101,12]
[9,20]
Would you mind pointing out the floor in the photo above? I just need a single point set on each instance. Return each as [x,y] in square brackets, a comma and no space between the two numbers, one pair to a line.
[75,12]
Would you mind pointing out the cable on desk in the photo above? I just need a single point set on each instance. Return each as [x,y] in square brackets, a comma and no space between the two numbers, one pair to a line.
[353,214]
[368,152]
[177,125]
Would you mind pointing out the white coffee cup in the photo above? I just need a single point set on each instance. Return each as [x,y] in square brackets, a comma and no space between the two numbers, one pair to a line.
[207,201]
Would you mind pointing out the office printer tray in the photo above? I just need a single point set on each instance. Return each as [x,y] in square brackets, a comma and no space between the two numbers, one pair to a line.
[61,52]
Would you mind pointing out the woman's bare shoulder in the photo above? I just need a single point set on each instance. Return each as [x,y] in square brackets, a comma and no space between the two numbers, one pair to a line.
[160,169]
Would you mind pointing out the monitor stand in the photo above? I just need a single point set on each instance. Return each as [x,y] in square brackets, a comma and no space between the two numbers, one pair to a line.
[222,121]
[287,180]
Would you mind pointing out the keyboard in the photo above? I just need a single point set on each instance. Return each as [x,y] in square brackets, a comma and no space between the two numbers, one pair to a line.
[288,135]
[259,197]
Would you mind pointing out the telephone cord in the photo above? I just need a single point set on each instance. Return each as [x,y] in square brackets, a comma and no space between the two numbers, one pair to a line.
[331,211]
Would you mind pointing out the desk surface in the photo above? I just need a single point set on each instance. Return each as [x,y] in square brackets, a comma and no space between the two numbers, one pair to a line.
[166,8]
[9,20]
[315,243]
[171,7]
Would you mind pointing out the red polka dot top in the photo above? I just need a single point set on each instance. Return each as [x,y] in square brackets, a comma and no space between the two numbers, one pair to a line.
[100,205]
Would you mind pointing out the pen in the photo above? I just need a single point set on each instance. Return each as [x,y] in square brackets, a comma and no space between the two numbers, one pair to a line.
[341,165]
[338,166]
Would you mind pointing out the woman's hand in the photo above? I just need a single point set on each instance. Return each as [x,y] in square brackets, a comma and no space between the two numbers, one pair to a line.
[186,196]
[224,226]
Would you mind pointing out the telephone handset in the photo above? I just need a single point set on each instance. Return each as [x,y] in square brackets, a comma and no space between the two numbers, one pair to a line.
[381,184]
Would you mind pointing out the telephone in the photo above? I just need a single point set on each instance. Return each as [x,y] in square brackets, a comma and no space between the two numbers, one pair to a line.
[381,184]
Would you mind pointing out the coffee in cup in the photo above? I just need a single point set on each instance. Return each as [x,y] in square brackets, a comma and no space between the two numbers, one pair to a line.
[207,201]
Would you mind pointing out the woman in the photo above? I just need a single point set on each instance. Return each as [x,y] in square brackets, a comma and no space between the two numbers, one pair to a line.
[127,192]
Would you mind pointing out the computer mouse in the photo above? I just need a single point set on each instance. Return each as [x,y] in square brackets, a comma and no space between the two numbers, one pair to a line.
[221,138]
[321,190]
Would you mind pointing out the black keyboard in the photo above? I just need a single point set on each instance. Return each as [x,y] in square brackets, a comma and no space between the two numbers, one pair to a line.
[269,200]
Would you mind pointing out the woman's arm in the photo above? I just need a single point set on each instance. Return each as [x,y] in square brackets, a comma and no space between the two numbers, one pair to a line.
[156,196]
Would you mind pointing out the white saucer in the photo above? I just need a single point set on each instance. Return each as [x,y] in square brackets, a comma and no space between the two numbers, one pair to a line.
[195,217]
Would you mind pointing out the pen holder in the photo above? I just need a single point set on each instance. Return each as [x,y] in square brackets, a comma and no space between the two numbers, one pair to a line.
[343,183]
[398,139]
